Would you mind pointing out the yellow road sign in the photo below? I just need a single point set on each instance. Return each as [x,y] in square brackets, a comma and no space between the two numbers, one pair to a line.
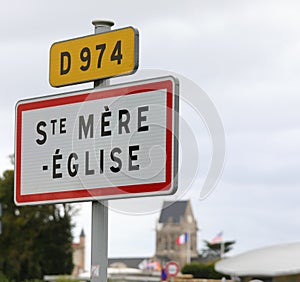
[94,57]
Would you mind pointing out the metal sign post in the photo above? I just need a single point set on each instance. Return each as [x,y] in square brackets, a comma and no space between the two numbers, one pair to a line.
[99,260]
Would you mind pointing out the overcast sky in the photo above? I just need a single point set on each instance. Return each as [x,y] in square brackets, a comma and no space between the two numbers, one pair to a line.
[245,55]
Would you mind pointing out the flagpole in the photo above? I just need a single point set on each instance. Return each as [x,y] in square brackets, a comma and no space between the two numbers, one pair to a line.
[222,250]
[188,251]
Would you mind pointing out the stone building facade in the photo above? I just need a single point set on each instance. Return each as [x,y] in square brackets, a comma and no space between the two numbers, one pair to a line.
[176,218]
[79,255]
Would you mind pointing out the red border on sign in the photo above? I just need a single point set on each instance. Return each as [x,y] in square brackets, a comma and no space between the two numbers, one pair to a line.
[170,264]
[88,194]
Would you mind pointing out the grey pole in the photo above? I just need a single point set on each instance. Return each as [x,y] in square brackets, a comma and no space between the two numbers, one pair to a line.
[99,261]
[100,27]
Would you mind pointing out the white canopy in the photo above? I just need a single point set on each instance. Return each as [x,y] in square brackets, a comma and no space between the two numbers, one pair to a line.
[271,261]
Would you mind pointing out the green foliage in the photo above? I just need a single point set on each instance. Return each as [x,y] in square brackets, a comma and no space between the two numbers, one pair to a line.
[201,270]
[3,278]
[65,279]
[35,240]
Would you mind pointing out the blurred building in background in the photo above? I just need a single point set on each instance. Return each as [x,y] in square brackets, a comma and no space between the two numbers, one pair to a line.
[79,255]
[176,233]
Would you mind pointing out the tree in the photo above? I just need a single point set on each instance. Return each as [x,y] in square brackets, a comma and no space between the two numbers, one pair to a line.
[213,251]
[35,240]
[202,270]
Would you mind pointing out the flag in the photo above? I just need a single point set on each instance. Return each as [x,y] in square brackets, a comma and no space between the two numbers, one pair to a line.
[181,239]
[149,264]
[217,239]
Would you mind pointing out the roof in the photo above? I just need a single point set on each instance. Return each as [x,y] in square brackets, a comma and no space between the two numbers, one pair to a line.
[272,261]
[174,210]
[129,262]
[82,233]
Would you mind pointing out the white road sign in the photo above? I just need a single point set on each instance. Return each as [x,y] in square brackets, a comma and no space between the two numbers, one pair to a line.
[114,142]
[172,268]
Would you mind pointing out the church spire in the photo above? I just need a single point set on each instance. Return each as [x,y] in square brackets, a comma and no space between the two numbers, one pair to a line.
[82,233]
